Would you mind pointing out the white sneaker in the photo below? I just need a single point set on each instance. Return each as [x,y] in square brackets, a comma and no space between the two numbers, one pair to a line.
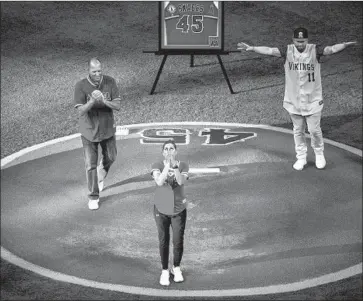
[178,276]
[93,204]
[299,164]
[164,278]
[320,161]
[100,183]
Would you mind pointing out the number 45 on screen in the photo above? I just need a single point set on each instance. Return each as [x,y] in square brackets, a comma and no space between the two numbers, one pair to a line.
[197,23]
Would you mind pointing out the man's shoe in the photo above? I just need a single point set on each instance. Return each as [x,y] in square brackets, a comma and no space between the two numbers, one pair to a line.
[299,164]
[320,161]
[178,276]
[93,204]
[164,278]
[100,183]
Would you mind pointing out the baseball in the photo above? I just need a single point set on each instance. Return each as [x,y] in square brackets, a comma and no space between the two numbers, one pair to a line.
[97,94]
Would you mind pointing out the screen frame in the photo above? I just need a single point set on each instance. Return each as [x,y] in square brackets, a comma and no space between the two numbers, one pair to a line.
[186,50]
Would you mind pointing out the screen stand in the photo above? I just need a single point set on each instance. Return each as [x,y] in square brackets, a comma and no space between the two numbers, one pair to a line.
[158,75]
[225,74]
[191,65]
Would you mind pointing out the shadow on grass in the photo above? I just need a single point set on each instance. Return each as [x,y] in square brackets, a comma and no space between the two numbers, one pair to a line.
[346,129]
[293,253]
[140,178]
[328,123]
[254,58]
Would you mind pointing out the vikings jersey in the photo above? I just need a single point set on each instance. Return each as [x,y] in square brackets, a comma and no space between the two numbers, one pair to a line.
[194,24]
[303,88]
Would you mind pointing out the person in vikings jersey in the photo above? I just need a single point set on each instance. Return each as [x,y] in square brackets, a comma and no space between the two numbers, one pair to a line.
[303,98]
[96,97]
[170,208]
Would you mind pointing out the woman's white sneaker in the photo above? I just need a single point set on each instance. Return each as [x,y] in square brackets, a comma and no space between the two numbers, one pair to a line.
[178,276]
[164,278]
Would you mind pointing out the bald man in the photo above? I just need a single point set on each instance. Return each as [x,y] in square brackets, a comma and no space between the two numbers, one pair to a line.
[96,97]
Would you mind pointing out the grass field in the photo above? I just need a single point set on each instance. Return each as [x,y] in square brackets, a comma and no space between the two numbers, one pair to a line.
[45,46]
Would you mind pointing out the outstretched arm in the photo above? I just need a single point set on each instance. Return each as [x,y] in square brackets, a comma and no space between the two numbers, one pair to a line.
[259,49]
[337,47]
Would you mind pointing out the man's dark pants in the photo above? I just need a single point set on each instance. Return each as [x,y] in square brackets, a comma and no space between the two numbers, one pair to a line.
[108,156]
[177,223]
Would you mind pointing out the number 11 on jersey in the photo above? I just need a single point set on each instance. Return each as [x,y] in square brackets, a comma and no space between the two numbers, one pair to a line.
[311,77]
